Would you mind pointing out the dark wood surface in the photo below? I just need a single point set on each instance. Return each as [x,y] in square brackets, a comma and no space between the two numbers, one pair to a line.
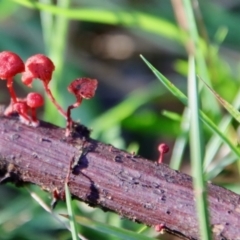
[111,179]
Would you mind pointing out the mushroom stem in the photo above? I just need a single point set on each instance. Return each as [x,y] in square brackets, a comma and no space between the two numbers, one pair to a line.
[35,122]
[160,160]
[11,64]
[162,148]
[24,118]
[21,108]
[34,115]
[33,101]
[69,119]
[11,91]
[59,108]
[76,104]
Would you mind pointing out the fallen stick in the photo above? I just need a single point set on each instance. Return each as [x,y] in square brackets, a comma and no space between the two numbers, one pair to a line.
[106,177]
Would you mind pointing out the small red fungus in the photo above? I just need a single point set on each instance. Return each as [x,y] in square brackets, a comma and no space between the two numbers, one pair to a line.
[41,67]
[81,88]
[162,148]
[160,228]
[21,108]
[10,65]
[38,66]
[33,101]
[10,109]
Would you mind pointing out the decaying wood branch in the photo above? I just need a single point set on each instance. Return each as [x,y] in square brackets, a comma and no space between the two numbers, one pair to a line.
[115,180]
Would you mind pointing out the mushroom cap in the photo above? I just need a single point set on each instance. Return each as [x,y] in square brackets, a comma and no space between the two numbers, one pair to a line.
[10,64]
[83,87]
[163,147]
[34,100]
[27,78]
[38,66]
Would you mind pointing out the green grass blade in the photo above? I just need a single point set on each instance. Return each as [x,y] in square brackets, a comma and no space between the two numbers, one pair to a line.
[199,54]
[197,152]
[109,230]
[172,115]
[181,142]
[56,51]
[217,167]
[47,26]
[40,201]
[176,92]
[214,143]
[72,221]
[234,112]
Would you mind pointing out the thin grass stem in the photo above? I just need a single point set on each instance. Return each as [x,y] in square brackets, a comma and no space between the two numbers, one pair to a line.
[197,152]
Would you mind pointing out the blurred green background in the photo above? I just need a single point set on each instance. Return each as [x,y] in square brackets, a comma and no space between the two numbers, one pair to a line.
[103,40]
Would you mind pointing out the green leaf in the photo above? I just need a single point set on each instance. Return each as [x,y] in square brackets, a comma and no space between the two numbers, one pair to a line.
[217,167]
[215,143]
[180,142]
[71,217]
[234,112]
[197,153]
[172,115]
[176,92]
[110,230]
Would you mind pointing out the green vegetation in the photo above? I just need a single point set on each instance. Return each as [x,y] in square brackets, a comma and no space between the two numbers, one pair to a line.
[125,46]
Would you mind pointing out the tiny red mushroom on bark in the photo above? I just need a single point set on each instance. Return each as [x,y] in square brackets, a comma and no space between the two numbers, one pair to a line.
[162,148]
[21,108]
[10,108]
[41,67]
[34,100]
[81,88]
[10,65]
[160,228]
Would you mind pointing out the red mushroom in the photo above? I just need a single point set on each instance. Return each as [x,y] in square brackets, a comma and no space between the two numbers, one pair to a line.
[41,67]
[81,88]
[10,109]
[162,148]
[21,108]
[33,101]
[160,228]
[10,65]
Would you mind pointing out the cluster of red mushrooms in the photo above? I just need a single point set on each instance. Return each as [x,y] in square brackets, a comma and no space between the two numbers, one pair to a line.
[39,67]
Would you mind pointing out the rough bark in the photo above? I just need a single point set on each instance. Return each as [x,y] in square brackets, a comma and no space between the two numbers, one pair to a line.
[112,179]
